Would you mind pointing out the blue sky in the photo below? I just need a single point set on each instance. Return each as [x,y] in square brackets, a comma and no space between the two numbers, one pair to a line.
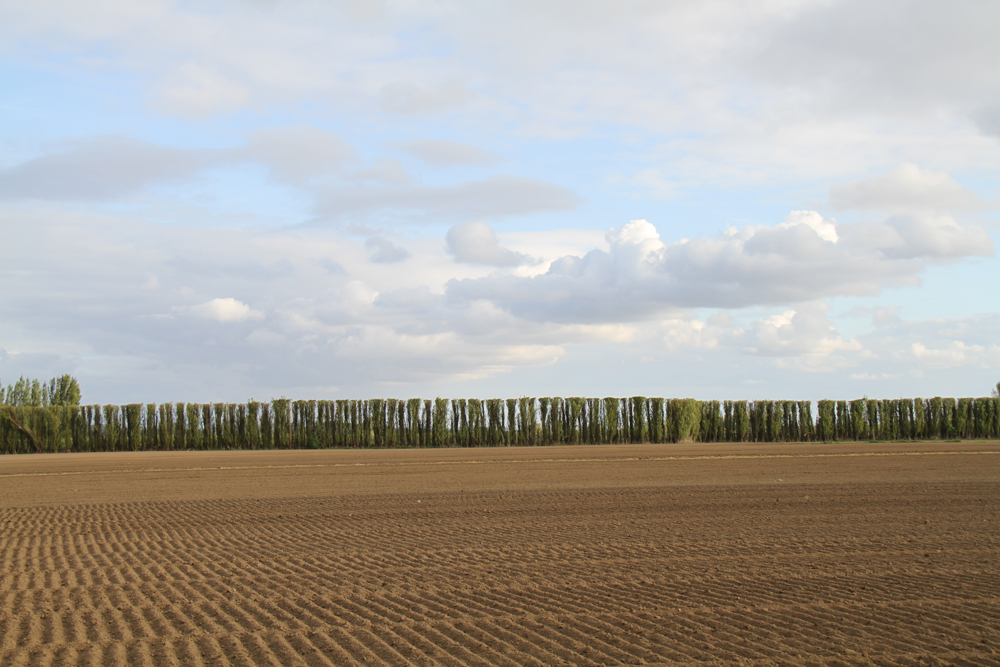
[211,201]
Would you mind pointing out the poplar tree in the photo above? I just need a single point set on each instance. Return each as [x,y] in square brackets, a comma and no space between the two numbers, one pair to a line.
[441,437]
[64,391]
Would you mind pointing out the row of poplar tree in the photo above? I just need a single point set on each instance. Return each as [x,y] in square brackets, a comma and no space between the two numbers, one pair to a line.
[284,423]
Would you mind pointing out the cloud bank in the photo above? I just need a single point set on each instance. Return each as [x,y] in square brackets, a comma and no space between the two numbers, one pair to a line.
[908,187]
[804,258]
[315,162]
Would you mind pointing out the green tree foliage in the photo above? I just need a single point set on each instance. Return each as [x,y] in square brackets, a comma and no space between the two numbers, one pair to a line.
[64,390]
[25,393]
[37,422]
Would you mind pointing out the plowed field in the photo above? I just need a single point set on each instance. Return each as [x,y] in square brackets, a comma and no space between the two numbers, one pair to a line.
[779,554]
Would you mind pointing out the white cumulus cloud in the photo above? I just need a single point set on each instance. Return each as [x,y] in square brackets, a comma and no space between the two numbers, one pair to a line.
[825,228]
[226,310]
[805,331]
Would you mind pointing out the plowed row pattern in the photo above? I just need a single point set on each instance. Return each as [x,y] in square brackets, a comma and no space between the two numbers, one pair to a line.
[890,574]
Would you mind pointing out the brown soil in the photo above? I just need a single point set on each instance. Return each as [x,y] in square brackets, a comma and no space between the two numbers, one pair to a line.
[848,554]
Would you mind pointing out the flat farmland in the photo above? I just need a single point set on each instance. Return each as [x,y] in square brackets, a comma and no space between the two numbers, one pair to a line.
[798,554]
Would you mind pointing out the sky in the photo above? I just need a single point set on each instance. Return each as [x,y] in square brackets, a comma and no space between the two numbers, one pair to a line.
[787,199]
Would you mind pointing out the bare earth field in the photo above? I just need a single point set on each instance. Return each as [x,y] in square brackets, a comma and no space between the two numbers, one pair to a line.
[846,554]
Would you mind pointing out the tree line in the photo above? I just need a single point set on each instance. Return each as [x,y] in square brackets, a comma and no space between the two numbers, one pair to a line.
[50,425]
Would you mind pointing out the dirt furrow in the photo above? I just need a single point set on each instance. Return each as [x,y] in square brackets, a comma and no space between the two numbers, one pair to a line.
[822,561]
